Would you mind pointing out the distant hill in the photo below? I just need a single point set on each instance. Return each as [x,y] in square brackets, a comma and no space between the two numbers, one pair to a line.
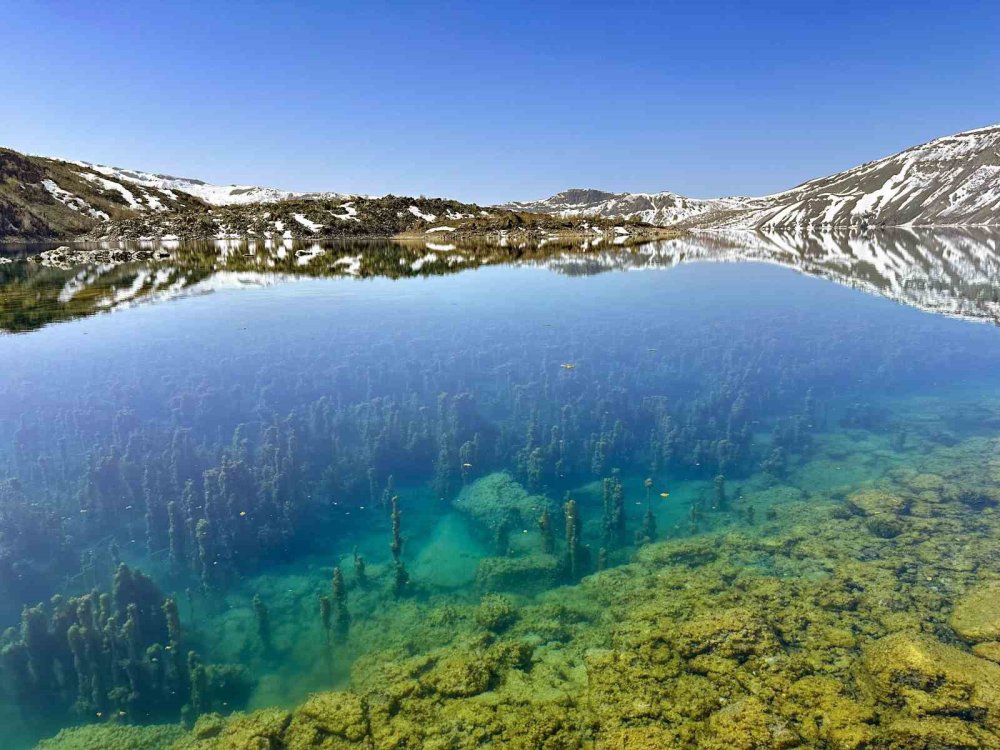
[661,209]
[951,181]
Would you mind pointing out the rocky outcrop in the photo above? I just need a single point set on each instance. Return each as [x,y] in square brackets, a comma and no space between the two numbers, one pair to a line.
[926,684]
[976,616]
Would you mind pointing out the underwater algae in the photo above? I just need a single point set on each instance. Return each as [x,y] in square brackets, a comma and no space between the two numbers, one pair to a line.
[806,629]
[337,530]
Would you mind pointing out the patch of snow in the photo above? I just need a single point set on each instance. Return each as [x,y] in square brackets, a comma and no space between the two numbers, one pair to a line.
[155,203]
[72,201]
[214,195]
[421,215]
[310,225]
[351,215]
[117,187]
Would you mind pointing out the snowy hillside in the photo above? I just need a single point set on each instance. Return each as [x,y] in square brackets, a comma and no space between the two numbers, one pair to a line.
[213,195]
[42,197]
[661,209]
[951,181]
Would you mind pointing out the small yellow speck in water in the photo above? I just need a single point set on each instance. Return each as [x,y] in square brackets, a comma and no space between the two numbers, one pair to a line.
[568,366]
[664,494]
[466,466]
[243,512]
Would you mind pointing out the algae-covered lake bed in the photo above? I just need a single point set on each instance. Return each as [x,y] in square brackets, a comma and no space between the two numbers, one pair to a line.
[608,498]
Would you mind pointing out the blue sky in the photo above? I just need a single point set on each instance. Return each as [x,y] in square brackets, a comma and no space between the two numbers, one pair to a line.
[494,101]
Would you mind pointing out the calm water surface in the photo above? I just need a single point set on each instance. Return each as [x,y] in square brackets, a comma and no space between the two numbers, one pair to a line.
[497,504]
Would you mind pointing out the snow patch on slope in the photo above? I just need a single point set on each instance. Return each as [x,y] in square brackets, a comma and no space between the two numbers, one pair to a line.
[72,201]
[214,195]
[310,225]
[117,187]
[421,215]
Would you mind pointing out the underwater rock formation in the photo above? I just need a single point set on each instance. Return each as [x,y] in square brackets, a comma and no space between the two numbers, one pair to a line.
[496,613]
[877,502]
[977,614]
[115,737]
[925,684]
[529,574]
[497,499]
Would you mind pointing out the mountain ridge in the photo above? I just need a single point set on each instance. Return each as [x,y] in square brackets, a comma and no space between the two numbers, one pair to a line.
[42,198]
[953,180]
[664,208]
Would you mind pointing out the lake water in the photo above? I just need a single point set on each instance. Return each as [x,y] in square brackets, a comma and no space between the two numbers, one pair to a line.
[398,496]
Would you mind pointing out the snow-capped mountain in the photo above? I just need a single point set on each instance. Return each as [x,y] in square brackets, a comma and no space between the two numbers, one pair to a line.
[213,195]
[950,181]
[661,209]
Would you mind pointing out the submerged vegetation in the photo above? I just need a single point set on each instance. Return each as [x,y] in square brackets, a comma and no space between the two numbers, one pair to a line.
[658,517]
[808,631]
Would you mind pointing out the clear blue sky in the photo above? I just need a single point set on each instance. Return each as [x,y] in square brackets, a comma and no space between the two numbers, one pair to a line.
[489,101]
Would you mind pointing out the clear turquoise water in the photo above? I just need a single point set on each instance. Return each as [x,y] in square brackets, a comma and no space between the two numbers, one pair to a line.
[306,397]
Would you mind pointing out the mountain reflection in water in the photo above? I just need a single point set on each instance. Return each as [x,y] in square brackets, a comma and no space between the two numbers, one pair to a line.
[953,272]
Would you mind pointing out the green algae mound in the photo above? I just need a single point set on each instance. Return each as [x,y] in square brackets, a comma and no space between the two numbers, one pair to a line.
[877,502]
[989,650]
[115,737]
[532,573]
[929,681]
[497,499]
[253,731]
[977,614]
[496,612]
